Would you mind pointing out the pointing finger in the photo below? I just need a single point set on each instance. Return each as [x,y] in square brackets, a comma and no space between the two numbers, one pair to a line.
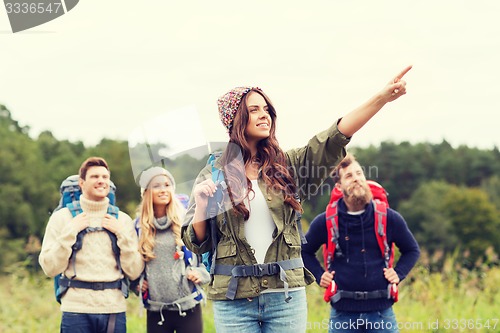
[403,72]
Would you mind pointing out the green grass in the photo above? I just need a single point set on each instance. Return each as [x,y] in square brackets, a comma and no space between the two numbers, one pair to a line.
[452,300]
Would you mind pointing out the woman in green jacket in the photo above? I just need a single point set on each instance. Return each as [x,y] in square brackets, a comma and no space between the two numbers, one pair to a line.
[258,277]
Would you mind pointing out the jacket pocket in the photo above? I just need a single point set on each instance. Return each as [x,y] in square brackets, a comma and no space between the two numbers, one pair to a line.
[226,255]
[293,246]
[292,240]
[226,249]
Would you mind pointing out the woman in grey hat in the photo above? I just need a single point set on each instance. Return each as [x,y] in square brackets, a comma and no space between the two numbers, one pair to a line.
[171,281]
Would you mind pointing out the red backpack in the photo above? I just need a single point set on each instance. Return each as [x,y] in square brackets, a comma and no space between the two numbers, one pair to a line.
[380,205]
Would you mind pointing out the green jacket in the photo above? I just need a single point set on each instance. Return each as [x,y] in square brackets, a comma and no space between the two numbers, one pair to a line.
[312,164]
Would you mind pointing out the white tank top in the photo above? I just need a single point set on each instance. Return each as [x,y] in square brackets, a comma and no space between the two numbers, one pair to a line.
[260,225]
[259,229]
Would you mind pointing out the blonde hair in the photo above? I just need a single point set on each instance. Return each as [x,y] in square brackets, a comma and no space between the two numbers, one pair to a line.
[174,211]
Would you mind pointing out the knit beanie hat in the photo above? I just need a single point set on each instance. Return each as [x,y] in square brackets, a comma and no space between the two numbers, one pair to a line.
[228,104]
[149,174]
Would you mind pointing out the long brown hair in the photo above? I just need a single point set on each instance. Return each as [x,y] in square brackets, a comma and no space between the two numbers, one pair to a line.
[174,211]
[274,169]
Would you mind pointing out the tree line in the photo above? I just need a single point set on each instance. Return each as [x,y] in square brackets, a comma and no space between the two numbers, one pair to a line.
[449,196]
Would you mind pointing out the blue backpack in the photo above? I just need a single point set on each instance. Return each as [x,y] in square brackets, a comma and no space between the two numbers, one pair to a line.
[212,209]
[70,195]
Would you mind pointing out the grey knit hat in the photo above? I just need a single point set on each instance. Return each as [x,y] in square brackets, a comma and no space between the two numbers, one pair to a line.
[149,174]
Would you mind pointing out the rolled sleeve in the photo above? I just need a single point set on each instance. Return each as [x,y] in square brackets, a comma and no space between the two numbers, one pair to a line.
[313,163]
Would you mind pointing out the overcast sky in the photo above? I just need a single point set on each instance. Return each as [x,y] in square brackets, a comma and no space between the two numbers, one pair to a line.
[106,67]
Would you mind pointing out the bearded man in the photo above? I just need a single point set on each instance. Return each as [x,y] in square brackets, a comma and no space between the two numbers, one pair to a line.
[363,302]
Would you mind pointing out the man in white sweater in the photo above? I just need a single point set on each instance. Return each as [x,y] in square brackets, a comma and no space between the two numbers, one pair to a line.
[93,301]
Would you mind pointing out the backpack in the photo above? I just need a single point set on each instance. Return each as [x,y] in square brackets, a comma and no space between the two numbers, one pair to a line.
[212,210]
[183,199]
[70,195]
[332,249]
[197,293]
[189,261]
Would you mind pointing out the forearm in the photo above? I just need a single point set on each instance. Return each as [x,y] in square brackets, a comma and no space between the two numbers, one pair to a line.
[189,234]
[406,243]
[316,236]
[130,258]
[200,224]
[410,252]
[406,263]
[358,117]
[313,265]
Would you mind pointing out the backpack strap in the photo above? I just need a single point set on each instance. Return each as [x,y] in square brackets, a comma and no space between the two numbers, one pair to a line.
[137,226]
[71,283]
[113,210]
[188,256]
[380,211]
[196,295]
[332,227]
[214,207]
[75,209]
[331,248]
[258,270]
[360,295]
[298,217]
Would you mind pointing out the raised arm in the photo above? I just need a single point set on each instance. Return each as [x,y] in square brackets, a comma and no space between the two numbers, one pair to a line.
[201,193]
[195,233]
[358,117]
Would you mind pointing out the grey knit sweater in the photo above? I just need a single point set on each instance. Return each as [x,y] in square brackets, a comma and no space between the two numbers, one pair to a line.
[167,276]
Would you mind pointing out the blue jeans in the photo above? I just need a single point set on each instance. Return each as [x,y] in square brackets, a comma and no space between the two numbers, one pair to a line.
[91,322]
[268,313]
[351,322]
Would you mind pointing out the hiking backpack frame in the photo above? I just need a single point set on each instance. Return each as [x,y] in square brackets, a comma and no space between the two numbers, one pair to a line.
[332,249]
[70,195]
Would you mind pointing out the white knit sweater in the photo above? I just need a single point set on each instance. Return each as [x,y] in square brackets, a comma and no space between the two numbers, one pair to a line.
[95,262]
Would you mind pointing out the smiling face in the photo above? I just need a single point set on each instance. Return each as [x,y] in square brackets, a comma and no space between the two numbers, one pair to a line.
[259,122]
[160,188]
[95,186]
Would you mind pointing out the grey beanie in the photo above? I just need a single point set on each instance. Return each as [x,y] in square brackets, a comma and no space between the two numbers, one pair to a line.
[149,174]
